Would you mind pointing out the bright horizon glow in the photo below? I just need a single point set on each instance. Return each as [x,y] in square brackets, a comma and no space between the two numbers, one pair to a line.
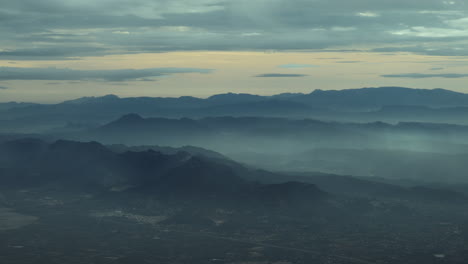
[235,72]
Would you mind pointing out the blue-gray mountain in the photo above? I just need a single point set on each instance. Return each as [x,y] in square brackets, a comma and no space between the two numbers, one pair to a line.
[27,163]
[423,151]
[391,104]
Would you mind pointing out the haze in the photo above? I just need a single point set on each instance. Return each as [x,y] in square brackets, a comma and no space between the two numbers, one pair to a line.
[233,131]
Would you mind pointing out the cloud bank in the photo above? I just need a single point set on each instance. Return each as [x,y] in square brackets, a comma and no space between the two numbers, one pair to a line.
[297,66]
[421,75]
[279,75]
[57,74]
[76,28]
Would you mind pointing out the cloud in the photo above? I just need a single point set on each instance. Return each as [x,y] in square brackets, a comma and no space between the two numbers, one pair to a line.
[10,73]
[279,75]
[4,88]
[297,66]
[51,53]
[431,32]
[129,26]
[348,61]
[437,69]
[458,49]
[421,75]
[367,14]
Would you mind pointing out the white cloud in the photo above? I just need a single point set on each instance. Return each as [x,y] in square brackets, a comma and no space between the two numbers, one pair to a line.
[251,34]
[343,28]
[121,32]
[367,14]
[431,32]
[461,23]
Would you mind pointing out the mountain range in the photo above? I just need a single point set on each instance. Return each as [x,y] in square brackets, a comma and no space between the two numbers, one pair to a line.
[228,134]
[391,104]
[93,167]
[86,166]
[338,99]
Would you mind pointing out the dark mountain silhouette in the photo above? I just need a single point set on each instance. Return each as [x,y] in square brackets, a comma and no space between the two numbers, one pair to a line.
[233,98]
[391,104]
[372,187]
[10,105]
[94,100]
[196,151]
[92,166]
[378,97]
[359,98]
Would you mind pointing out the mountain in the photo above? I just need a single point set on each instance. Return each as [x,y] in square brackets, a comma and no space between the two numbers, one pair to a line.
[230,98]
[372,187]
[357,105]
[411,150]
[92,166]
[347,98]
[397,164]
[229,134]
[11,105]
[398,113]
[196,151]
[379,97]
[93,100]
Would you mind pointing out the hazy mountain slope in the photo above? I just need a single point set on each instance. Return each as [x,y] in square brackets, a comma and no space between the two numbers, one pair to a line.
[390,164]
[92,166]
[366,104]
[229,134]
[378,97]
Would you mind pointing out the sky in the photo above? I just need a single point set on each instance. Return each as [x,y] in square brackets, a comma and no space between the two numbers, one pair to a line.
[54,50]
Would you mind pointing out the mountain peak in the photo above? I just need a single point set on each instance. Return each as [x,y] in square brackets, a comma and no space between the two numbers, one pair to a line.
[234,96]
[93,99]
[109,96]
[130,118]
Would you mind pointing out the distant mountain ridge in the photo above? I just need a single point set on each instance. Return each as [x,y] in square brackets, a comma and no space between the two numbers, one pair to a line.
[362,97]
[133,124]
[371,97]
[389,104]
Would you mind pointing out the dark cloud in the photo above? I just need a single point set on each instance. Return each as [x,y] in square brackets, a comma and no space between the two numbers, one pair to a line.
[297,66]
[127,26]
[10,73]
[422,75]
[3,88]
[52,53]
[279,75]
[348,61]
[432,50]
[437,69]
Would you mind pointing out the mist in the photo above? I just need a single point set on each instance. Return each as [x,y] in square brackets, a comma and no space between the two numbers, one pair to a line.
[289,180]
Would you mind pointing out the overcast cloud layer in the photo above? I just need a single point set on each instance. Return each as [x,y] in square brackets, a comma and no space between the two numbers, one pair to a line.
[280,75]
[10,73]
[421,75]
[70,29]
